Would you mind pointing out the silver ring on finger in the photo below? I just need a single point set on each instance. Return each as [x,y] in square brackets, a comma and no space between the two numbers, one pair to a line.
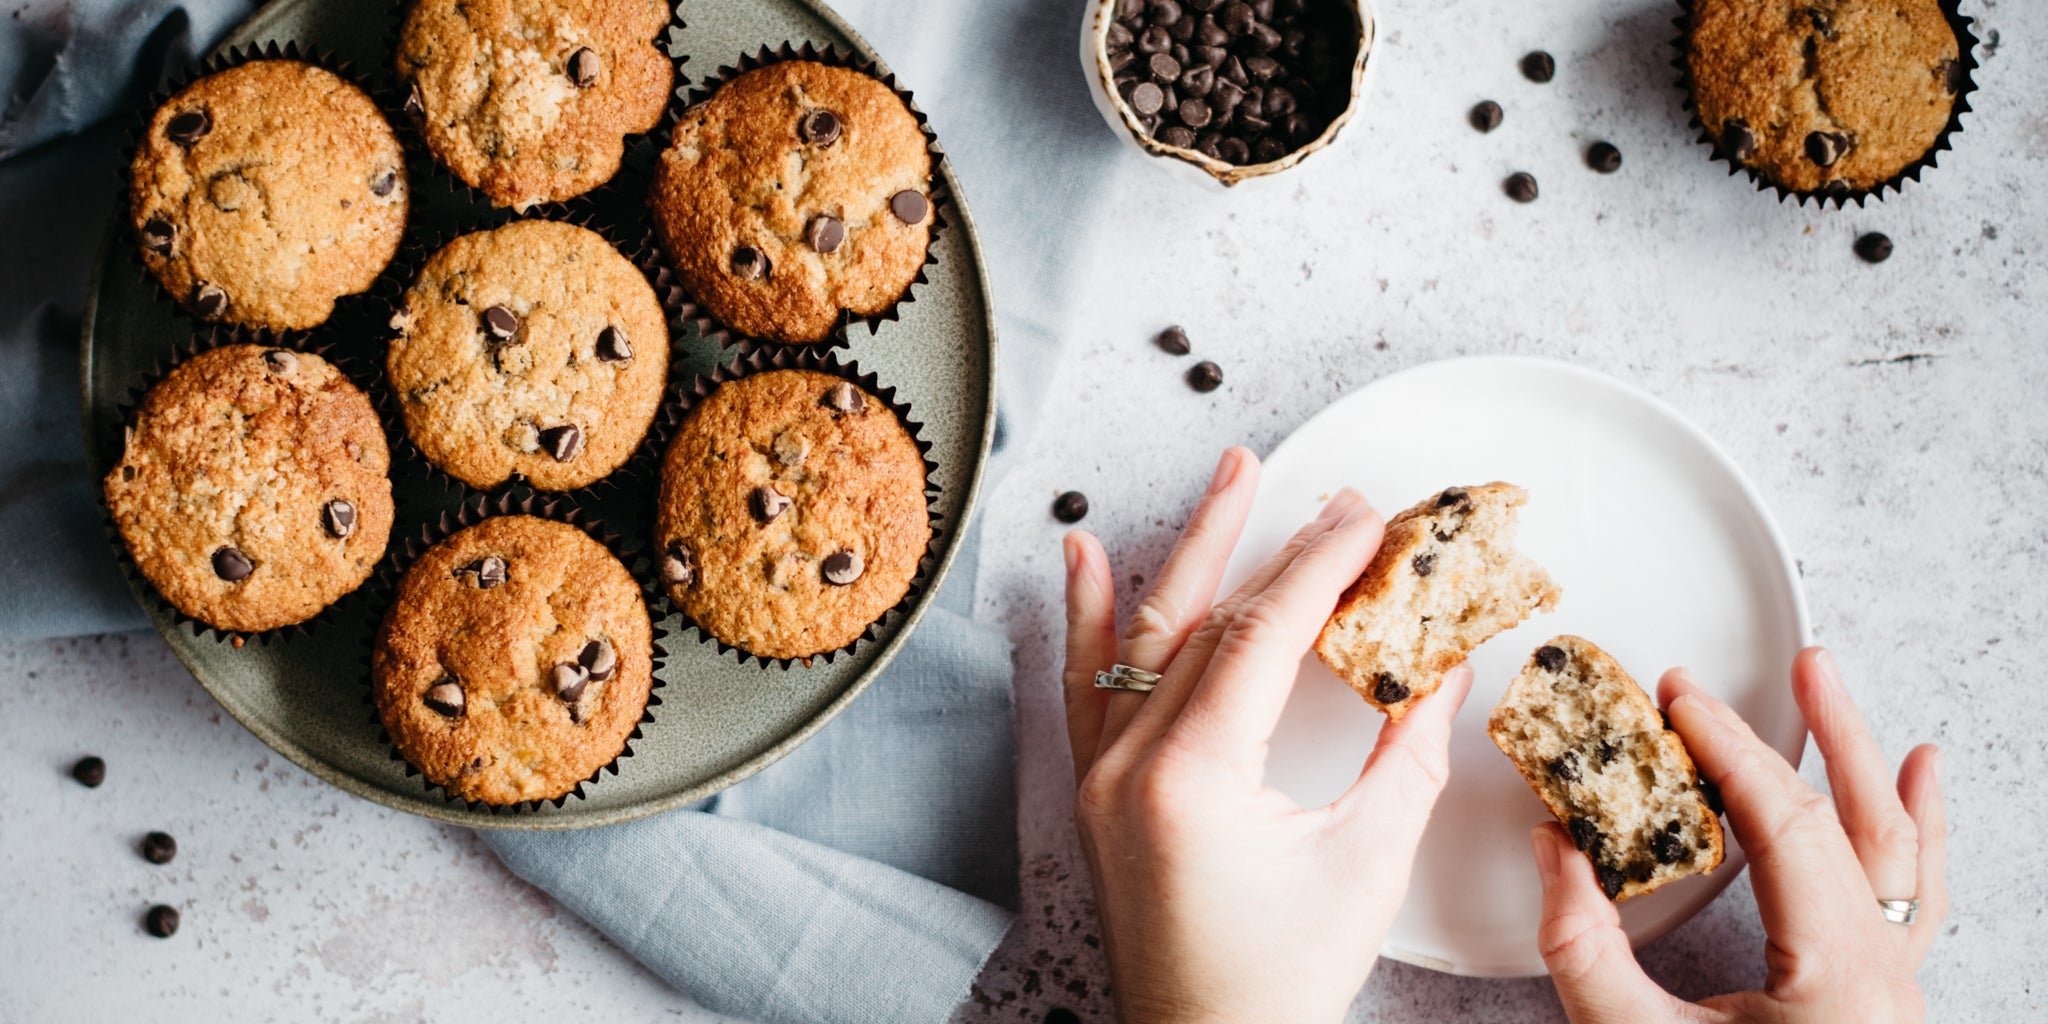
[1895,911]
[1127,677]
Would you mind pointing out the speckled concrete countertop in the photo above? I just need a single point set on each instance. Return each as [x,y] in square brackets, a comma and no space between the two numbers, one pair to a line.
[1893,416]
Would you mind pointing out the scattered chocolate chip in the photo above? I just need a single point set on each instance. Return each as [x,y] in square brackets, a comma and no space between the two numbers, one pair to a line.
[841,568]
[384,184]
[1070,507]
[1824,148]
[1674,826]
[1585,835]
[1608,752]
[1603,157]
[189,127]
[159,848]
[339,517]
[583,67]
[1565,767]
[819,128]
[599,659]
[1147,98]
[1611,880]
[825,233]
[569,681]
[767,503]
[1486,115]
[1205,376]
[564,442]
[909,206]
[485,572]
[446,699]
[1452,496]
[501,323]
[1520,187]
[790,448]
[1550,659]
[1194,113]
[676,567]
[1388,690]
[90,772]
[1711,794]
[1424,563]
[232,565]
[1668,848]
[1177,136]
[158,236]
[612,346]
[1173,341]
[279,360]
[1953,76]
[1874,248]
[844,397]
[1163,68]
[1539,66]
[749,263]
[162,921]
[1738,142]
[414,106]
[208,300]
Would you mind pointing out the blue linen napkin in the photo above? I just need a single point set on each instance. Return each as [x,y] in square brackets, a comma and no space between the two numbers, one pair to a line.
[859,878]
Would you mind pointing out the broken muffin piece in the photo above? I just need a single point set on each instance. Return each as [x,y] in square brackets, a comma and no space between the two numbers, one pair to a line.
[1446,579]
[1595,749]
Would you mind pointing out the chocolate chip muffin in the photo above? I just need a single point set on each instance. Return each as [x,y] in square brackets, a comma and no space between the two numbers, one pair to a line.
[796,194]
[792,513]
[1595,749]
[263,193]
[530,101]
[1446,579]
[1823,95]
[533,349]
[515,662]
[254,489]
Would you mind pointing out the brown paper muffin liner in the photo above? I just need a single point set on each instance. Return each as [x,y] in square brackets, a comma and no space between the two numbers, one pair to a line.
[404,115]
[685,398]
[690,312]
[421,244]
[472,511]
[377,89]
[1966,61]
[217,337]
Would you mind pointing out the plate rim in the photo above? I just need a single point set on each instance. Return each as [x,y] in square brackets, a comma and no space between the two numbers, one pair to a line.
[256,28]
[1753,499]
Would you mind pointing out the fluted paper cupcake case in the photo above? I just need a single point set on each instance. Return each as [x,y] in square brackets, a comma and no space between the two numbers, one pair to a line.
[689,312]
[236,56]
[420,246]
[476,509]
[669,424]
[1966,60]
[415,138]
[217,337]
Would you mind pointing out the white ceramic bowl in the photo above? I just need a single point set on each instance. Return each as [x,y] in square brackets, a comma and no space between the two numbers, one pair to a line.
[1187,162]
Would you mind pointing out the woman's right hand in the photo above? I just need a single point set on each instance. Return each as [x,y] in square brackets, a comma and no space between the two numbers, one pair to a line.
[1819,867]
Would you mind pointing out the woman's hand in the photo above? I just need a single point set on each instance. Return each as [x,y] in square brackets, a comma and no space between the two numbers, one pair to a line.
[1819,867]
[1222,900]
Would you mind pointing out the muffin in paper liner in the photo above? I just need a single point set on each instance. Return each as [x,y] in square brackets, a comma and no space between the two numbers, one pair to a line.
[407,111]
[404,275]
[472,511]
[220,337]
[669,426]
[1965,67]
[235,57]
[693,312]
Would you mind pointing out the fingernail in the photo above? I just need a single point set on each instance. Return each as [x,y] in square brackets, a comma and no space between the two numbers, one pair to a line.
[1226,470]
[1546,854]
[1070,548]
[1360,511]
[1336,506]
[1830,673]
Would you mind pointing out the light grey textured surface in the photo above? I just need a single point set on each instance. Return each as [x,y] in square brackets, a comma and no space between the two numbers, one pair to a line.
[1913,492]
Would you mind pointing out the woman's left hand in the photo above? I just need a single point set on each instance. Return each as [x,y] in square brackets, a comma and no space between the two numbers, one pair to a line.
[1221,899]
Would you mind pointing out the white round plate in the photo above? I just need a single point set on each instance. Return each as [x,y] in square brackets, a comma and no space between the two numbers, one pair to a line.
[1667,557]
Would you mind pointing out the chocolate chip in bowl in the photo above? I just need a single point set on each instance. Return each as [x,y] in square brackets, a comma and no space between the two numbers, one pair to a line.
[1234,89]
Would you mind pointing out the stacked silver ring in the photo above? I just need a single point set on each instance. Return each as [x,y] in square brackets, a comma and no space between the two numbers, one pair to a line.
[1895,911]
[1127,677]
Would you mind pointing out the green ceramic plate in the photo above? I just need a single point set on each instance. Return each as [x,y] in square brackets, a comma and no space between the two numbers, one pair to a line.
[719,721]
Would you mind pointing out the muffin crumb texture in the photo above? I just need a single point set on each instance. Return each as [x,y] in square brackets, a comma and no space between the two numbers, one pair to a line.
[515,662]
[1824,95]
